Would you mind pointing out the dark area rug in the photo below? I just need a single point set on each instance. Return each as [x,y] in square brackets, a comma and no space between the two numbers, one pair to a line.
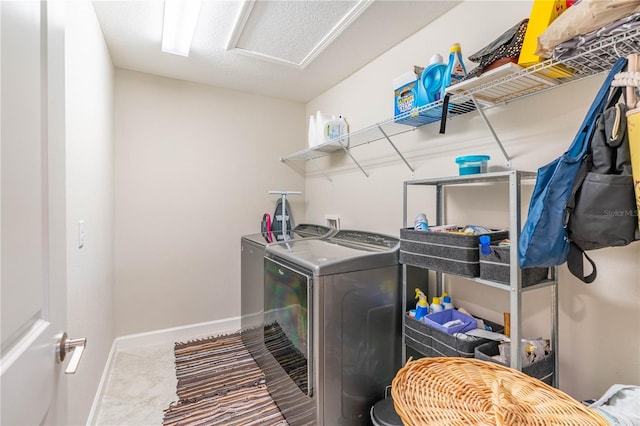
[219,383]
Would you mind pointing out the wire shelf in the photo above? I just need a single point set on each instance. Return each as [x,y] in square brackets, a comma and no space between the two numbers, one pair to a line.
[496,87]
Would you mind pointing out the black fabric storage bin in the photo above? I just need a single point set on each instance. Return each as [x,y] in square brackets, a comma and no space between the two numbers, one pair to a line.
[444,251]
[495,267]
[542,369]
[431,342]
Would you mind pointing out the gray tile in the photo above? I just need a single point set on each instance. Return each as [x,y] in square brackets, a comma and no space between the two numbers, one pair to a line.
[140,387]
[119,412]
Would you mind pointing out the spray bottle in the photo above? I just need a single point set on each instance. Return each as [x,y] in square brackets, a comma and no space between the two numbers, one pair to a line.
[421,307]
[456,70]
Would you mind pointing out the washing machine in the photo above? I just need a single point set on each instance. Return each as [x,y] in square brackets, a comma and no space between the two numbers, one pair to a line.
[332,326]
[252,248]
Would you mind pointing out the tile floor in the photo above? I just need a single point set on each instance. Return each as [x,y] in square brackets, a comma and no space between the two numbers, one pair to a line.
[141,385]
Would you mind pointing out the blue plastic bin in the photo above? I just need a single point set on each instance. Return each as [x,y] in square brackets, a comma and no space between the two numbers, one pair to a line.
[472,164]
[436,320]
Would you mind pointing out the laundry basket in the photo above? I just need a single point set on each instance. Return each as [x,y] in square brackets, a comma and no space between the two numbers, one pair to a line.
[455,391]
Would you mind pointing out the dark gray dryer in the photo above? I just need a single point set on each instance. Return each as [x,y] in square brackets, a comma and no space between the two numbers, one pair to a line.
[332,314]
[252,248]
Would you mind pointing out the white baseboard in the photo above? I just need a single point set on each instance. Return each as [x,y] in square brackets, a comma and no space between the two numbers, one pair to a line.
[169,336]
[178,334]
[93,414]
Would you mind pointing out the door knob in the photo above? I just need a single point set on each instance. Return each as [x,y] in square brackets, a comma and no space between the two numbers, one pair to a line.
[66,345]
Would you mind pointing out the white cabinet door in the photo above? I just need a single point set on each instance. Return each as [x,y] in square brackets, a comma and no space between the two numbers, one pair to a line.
[33,248]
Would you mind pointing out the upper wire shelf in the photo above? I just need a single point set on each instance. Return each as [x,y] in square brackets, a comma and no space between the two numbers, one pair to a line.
[496,87]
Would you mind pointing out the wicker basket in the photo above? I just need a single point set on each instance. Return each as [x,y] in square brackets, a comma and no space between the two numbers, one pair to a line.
[465,391]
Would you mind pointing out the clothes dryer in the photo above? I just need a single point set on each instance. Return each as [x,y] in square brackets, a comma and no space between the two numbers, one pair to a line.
[332,334]
[252,248]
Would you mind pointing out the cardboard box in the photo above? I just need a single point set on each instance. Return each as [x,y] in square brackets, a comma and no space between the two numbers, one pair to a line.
[408,98]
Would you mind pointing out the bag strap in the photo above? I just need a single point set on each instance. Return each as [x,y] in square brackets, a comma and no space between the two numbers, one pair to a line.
[614,97]
[575,262]
[619,127]
[578,146]
[576,255]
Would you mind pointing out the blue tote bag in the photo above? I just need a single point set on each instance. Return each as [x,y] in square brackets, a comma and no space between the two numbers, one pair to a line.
[543,241]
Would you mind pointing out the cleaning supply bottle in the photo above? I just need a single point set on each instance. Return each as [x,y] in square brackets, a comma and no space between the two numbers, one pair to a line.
[335,128]
[435,306]
[456,70]
[313,134]
[421,307]
[420,223]
[485,244]
[446,303]
[321,120]
[445,300]
[431,80]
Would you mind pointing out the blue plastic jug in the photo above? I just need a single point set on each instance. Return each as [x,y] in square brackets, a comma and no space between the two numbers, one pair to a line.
[431,81]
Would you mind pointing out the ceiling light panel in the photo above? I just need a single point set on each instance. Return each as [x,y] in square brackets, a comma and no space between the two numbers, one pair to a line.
[292,32]
[180,19]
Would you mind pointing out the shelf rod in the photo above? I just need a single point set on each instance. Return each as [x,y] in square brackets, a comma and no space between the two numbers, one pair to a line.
[397,150]
[493,132]
[354,160]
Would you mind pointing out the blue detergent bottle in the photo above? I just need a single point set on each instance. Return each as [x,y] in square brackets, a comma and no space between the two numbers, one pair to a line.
[432,78]
[422,308]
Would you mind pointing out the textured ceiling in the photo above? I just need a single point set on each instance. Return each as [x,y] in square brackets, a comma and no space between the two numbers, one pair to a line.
[312,24]
[287,49]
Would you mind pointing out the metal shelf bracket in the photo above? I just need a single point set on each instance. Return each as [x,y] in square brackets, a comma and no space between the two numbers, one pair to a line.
[354,160]
[396,149]
[492,131]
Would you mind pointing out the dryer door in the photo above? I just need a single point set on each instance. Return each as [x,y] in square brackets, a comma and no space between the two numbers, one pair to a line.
[288,315]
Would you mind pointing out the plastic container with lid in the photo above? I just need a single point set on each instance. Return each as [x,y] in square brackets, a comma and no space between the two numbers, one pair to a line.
[471,164]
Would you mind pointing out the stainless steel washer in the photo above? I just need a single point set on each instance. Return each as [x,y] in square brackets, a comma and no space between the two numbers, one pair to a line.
[332,315]
[252,248]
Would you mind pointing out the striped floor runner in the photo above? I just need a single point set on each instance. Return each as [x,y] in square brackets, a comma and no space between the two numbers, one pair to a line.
[219,383]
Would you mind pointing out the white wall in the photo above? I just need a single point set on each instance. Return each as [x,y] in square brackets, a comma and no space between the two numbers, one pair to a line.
[193,165]
[89,127]
[599,323]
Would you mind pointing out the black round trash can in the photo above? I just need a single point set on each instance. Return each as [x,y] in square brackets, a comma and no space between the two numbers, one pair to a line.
[383,413]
